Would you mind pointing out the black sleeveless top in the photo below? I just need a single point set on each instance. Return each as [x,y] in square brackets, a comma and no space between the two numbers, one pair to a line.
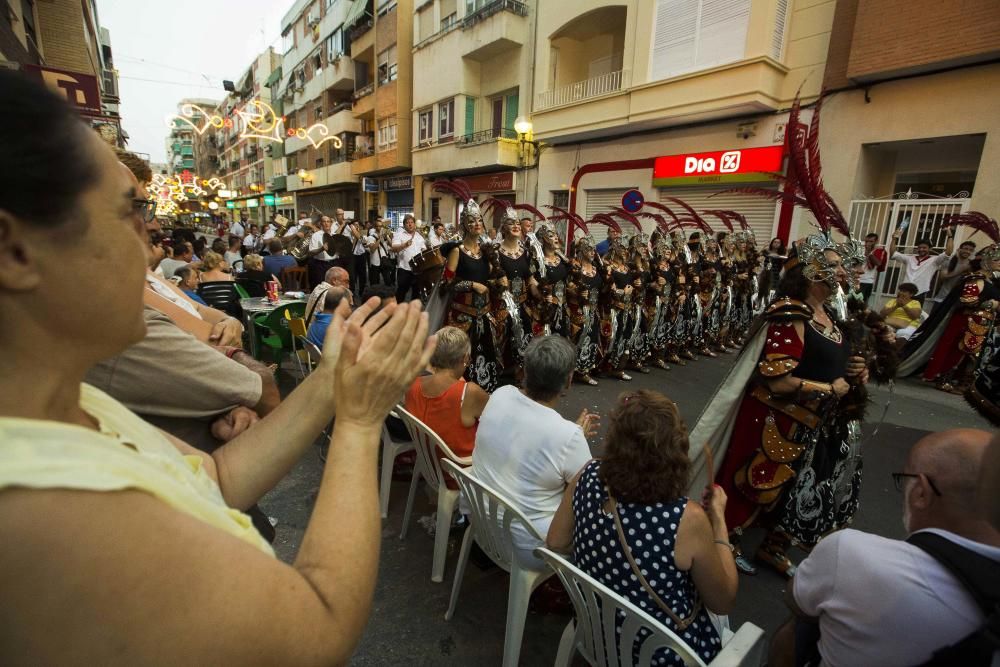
[823,360]
[519,267]
[620,278]
[555,274]
[472,268]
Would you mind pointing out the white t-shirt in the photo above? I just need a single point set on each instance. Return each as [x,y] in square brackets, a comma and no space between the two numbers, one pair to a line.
[315,243]
[359,245]
[236,229]
[884,602]
[528,453]
[918,272]
[379,251]
[291,231]
[269,233]
[404,256]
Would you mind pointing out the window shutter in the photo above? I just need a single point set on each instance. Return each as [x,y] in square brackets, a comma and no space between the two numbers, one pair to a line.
[674,37]
[697,34]
[511,114]
[759,211]
[470,115]
[778,37]
[722,32]
[602,201]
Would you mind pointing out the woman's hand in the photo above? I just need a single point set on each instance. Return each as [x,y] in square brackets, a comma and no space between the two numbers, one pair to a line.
[713,499]
[589,422]
[855,366]
[227,332]
[376,359]
[840,387]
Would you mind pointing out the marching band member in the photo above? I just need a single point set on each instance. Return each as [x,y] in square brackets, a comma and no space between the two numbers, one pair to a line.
[407,243]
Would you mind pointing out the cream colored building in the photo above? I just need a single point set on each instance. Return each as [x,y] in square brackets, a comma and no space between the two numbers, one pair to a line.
[703,84]
[317,88]
[472,64]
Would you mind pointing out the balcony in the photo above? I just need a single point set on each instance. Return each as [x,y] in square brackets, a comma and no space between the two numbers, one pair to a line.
[493,29]
[338,75]
[474,152]
[278,183]
[338,124]
[334,174]
[598,86]
[364,100]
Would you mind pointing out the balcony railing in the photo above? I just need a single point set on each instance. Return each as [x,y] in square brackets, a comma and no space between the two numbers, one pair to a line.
[494,7]
[364,90]
[361,27]
[486,136]
[598,86]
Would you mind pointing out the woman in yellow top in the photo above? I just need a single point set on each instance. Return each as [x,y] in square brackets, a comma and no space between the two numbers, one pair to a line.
[903,311]
[122,545]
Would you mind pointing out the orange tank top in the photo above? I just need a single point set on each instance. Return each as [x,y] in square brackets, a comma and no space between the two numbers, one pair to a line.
[443,414]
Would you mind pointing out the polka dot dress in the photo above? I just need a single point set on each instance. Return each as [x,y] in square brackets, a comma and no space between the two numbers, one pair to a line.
[651,532]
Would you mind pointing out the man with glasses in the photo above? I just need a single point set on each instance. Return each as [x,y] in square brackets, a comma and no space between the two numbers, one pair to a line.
[878,601]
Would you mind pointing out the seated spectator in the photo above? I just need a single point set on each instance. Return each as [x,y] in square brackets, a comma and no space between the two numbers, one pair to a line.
[336,276]
[316,333]
[182,256]
[200,247]
[188,282]
[277,261]
[878,601]
[213,268]
[444,400]
[903,312]
[524,448]
[232,255]
[253,269]
[219,246]
[682,547]
[74,461]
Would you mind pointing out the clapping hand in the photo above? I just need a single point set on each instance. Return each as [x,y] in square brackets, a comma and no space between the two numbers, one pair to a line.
[589,422]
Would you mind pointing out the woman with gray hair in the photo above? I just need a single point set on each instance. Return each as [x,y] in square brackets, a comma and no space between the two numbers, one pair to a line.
[524,448]
[444,400]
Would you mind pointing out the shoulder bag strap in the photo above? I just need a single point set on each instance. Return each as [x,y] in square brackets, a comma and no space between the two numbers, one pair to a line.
[681,624]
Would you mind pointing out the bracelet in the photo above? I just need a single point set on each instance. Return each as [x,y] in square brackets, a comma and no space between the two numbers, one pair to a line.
[726,544]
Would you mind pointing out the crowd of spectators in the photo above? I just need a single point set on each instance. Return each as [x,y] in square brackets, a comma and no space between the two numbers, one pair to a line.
[156,423]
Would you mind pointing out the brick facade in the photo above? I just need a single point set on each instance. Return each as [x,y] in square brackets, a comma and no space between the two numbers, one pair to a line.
[896,37]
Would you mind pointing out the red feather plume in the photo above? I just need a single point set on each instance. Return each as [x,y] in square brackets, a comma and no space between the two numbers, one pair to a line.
[491,203]
[625,215]
[660,207]
[721,215]
[530,209]
[457,188]
[976,220]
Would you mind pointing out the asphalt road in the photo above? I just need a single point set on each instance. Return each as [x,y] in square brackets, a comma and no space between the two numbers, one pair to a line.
[407,624]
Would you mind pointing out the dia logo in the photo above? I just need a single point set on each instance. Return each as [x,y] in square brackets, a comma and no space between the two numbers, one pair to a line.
[729,162]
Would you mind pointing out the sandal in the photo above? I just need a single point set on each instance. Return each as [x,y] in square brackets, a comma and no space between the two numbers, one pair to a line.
[707,352]
[774,556]
[687,354]
[620,375]
[660,363]
[585,378]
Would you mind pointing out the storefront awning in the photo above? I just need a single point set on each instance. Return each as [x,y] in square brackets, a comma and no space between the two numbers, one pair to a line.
[355,12]
[274,78]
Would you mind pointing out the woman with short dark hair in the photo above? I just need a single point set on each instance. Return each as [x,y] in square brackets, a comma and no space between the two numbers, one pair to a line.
[632,528]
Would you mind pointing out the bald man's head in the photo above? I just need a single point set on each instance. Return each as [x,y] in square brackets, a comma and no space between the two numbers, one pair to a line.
[338,277]
[948,464]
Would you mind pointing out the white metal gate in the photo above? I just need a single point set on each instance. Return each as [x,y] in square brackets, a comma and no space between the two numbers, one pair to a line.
[883,216]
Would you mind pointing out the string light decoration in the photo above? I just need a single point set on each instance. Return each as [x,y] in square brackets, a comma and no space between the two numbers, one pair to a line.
[259,121]
[170,190]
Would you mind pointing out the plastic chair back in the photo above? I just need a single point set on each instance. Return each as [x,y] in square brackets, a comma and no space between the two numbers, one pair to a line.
[237,266]
[222,294]
[254,288]
[492,516]
[277,321]
[294,279]
[598,610]
[430,448]
[242,291]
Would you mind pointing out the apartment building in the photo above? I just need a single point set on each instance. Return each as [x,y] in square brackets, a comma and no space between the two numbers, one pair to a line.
[912,125]
[380,33]
[670,98]
[472,64]
[187,150]
[62,43]
[248,138]
[316,92]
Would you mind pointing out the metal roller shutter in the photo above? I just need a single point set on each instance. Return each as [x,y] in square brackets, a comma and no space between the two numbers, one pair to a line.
[602,201]
[759,212]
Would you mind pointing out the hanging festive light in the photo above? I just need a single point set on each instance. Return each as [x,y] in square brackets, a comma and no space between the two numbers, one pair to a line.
[259,121]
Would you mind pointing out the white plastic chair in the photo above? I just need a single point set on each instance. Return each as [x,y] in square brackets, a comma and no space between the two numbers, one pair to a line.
[306,354]
[593,633]
[427,444]
[491,518]
[390,450]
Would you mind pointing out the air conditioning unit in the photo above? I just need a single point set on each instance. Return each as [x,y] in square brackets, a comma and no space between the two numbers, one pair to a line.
[268,150]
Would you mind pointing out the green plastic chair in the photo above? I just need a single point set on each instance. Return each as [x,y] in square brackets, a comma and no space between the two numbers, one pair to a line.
[242,291]
[273,331]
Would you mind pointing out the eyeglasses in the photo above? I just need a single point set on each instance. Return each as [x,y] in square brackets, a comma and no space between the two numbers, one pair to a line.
[898,477]
[145,209]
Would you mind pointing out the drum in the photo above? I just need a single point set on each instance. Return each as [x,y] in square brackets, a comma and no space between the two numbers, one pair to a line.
[427,260]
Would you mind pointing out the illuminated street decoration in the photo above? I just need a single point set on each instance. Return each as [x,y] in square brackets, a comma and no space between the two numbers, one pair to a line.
[169,190]
[259,121]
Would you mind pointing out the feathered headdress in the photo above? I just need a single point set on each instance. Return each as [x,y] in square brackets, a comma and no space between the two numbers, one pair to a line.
[691,218]
[807,175]
[530,209]
[981,223]
[460,190]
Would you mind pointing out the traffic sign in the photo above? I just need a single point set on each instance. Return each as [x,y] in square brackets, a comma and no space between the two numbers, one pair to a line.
[632,201]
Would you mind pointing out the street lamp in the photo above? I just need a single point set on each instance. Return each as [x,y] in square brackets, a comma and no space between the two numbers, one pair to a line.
[304,176]
[522,125]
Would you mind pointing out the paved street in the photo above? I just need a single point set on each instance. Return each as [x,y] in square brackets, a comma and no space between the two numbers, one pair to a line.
[408,626]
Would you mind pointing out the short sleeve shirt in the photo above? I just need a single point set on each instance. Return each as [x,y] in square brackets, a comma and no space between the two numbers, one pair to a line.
[884,602]
[406,255]
[919,271]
